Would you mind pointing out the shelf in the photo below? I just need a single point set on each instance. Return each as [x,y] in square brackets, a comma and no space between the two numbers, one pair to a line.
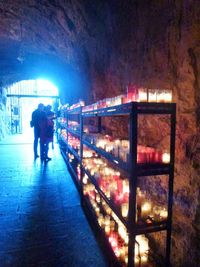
[74,111]
[73,132]
[115,161]
[74,152]
[141,170]
[140,228]
[153,169]
[138,107]
[150,228]
[109,202]
[115,110]
[131,170]
[154,108]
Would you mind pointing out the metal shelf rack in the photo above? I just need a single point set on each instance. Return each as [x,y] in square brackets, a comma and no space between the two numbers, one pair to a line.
[131,168]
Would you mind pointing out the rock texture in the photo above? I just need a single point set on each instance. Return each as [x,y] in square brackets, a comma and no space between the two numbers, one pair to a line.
[4,127]
[93,49]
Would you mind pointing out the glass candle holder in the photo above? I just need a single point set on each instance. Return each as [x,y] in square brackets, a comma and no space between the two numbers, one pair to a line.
[142,95]
[152,95]
[160,95]
[168,96]
[166,157]
[146,209]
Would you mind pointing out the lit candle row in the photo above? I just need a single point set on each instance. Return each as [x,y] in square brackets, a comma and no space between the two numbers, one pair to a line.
[140,94]
[121,149]
[74,142]
[81,103]
[134,94]
[115,231]
[117,189]
[146,209]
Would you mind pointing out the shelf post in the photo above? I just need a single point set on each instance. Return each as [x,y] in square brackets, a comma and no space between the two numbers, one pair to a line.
[170,185]
[99,124]
[67,122]
[81,152]
[133,124]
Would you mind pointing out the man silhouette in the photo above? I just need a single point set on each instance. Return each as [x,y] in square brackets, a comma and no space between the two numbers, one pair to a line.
[36,117]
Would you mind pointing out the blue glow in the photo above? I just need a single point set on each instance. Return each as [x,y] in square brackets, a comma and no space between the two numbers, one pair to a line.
[45,87]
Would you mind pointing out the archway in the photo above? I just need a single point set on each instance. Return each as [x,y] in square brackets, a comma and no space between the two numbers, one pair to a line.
[22,98]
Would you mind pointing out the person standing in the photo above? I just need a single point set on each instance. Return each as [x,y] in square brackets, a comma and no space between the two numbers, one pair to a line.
[36,117]
[46,136]
[51,117]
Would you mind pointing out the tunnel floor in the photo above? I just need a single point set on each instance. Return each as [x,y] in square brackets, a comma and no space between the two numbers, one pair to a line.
[41,220]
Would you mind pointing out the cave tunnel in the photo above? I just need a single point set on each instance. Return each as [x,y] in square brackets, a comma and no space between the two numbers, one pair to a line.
[120,185]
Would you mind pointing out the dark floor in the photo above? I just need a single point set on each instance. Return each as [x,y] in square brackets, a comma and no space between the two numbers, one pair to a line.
[41,221]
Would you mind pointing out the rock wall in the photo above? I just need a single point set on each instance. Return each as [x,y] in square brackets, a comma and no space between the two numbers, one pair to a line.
[157,44]
[3,115]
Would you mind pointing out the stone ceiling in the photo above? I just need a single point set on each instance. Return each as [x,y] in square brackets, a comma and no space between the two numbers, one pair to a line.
[53,39]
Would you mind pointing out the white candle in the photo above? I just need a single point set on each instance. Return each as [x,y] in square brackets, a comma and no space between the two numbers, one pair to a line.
[100,220]
[146,209]
[152,96]
[98,198]
[160,95]
[107,220]
[97,211]
[142,245]
[85,179]
[163,213]
[168,96]
[124,209]
[125,186]
[142,95]
[165,157]
[107,229]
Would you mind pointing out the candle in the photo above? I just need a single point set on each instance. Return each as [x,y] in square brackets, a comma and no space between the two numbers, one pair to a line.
[142,247]
[152,96]
[97,211]
[100,220]
[156,213]
[142,95]
[165,157]
[158,156]
[123,253]
[107,220]
[168,96]
[85,179]
[160,95]
[125,186]
[112,225]
[107,229]
[124,209]
[146,209]
[98,198]
[163,213]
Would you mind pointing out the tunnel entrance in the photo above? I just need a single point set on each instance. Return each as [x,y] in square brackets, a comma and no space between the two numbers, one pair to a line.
[22,98]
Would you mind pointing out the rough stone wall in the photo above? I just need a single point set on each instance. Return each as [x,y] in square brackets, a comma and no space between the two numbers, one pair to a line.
[157,44]
[3,115]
